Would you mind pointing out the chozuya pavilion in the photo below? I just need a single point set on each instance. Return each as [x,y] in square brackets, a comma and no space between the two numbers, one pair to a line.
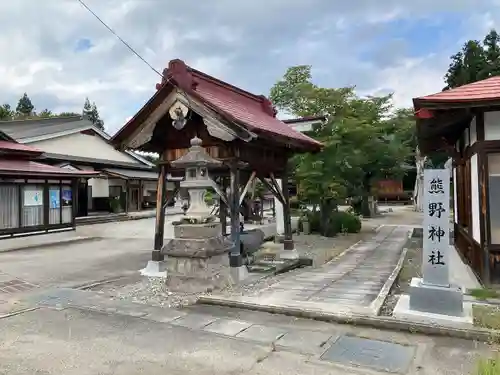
[234,126]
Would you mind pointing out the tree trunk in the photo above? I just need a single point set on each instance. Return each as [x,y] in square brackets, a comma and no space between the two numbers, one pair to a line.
[327,208]
[365,202]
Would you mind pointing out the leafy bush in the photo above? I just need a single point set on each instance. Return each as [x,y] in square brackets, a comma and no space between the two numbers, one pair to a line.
[314,219]
[209,197]
[347,222]
[114,204]
[337,222]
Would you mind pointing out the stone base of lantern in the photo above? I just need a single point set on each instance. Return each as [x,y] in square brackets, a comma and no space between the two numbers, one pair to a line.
[154,269]
[434,305]
[197,258]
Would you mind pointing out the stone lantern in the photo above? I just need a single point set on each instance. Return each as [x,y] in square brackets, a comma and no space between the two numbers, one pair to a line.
[197,163]
[198,252]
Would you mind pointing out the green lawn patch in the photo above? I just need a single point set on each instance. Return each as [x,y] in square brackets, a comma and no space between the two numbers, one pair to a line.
[488,367]
[483,294]
[486,316]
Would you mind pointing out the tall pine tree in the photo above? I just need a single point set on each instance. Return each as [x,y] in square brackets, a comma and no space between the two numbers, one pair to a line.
[90,111]
[24,106]
[6,112]
[475,61]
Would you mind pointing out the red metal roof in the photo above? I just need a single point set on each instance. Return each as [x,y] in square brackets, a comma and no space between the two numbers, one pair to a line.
[255,112]
[28,167]
[247,108]
[487,89]
[13,146]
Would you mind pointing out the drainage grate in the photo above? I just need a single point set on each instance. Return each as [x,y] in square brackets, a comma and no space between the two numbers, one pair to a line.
[15,286]
[379,355]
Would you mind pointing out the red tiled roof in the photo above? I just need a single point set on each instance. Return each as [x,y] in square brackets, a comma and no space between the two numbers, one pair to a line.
[28,167]
[13,146]
[247,108]
[255,112]
[487,89]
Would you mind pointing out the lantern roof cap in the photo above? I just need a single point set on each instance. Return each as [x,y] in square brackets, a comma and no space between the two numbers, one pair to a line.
[196,157]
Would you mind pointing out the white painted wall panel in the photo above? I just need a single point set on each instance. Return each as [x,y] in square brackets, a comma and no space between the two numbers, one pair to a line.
[100,187]
[492,126]
[83,145]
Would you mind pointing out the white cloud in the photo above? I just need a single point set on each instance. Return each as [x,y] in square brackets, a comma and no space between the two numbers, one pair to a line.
[249,43]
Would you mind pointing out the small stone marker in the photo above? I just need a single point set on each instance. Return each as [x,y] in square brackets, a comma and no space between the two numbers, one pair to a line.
[435,265]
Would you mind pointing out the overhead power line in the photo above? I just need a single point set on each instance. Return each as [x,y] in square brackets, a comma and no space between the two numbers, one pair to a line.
[119,38]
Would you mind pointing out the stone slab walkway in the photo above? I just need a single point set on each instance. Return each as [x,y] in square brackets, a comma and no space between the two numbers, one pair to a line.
[69,324]
[357,281]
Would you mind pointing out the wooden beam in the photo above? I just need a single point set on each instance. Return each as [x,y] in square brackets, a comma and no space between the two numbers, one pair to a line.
[160,214]
[235,258]
[272,189]
[282,189]
[245,189]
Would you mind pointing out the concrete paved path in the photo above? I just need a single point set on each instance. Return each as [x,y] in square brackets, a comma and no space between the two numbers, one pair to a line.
[356,281]
[77,332]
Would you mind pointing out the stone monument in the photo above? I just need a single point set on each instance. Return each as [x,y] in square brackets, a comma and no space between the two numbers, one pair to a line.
[198,252]
[433,298]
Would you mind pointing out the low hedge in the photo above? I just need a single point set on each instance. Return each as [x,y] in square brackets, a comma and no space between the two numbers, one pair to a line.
[339,222]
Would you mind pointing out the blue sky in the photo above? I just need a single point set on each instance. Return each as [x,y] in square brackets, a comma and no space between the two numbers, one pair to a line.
[380,47]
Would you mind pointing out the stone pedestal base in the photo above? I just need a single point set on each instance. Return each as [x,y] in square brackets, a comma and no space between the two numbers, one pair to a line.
[435,299]
[289,254]
[434,305]
[154,269]
[238,274]
[198,257]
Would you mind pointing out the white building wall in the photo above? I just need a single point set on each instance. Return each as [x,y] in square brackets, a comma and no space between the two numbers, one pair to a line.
[492,126]
[83,145]
[474,185]
[100,187]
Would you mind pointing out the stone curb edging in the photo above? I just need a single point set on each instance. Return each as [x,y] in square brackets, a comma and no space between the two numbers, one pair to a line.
[378,302]
[49,244]
[388,323]
[18,312]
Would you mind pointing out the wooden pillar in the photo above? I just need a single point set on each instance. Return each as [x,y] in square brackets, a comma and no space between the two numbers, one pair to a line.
[235,259]
[75,183]
[127,195]
[288,241]
[160,214]
[223,207]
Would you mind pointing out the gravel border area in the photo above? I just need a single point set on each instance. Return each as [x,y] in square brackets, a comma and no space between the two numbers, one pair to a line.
[411,268]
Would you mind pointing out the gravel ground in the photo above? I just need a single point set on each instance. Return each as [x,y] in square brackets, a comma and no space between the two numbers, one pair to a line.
[411,268]
[319,249]
[154,291]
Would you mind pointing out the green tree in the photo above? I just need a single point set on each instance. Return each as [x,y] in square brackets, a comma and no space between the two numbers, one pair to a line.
[6,112]
[67,114]
[45,113]
[475,61]
[24,106]
[91,112]
[361,144]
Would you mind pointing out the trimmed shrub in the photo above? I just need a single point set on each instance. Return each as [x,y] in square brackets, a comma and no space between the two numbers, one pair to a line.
[339,222]
[347,222]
